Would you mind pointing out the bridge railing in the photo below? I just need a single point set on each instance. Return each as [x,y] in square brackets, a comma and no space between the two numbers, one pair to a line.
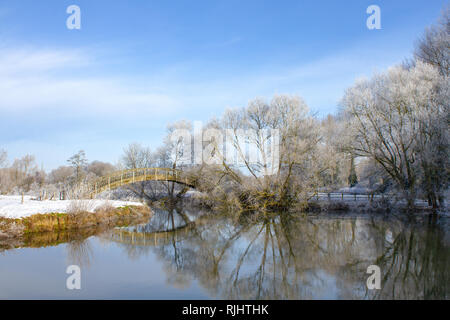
[365,196]
[123,177]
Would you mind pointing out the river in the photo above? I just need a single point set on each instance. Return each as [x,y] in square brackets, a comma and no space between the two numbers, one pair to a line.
[190,254]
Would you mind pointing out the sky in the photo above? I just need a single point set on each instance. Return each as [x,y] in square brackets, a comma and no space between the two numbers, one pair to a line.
[135,66]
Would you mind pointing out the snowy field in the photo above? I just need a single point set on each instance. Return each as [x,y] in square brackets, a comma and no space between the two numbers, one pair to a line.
[11,206]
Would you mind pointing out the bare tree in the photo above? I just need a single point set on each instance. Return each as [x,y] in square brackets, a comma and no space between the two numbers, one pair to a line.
[177,151]
[79,162]
[434,46]
[24,169]
[263,182]
[99,168]
[3,158]
[4,174]
[136,156]
[391,114]
[336,160]
[61,174]
[177,147]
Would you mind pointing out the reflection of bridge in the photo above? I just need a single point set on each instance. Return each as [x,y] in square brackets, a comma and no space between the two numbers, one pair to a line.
[155,238]
[146,238]
[124,177]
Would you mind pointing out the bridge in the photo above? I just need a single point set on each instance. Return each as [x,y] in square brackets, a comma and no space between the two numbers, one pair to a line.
[121,178]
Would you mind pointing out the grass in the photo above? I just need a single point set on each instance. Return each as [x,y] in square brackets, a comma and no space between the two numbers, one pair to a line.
[105,216]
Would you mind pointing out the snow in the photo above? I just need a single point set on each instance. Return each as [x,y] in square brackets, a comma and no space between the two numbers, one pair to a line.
[11,206]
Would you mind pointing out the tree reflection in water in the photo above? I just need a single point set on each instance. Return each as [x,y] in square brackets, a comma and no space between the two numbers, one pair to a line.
[79,252]
[288,256]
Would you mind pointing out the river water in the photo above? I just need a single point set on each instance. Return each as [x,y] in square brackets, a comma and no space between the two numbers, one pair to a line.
[189,254]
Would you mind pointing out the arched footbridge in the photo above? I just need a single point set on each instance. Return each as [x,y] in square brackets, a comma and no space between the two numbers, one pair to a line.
[121,178]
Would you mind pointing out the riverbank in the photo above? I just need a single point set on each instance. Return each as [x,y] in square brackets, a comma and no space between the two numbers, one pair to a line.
[57,222]
[379,206]
[323,203]
[18,219]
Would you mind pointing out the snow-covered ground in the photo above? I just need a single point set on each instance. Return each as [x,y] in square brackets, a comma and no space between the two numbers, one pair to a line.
[12,207]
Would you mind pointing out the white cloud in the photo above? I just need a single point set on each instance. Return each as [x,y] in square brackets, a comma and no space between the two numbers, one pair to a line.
[54,102]
[49,81]
[19,61]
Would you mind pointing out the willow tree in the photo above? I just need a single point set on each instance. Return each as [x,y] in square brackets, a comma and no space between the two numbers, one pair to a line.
[434,45]
[400,119]
[268,151]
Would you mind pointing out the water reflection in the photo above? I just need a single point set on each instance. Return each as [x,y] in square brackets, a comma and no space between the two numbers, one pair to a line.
[288,256]
[188,253]
[80,252]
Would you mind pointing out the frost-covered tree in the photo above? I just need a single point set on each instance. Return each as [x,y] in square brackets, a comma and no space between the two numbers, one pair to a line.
[285,137]
[177,149]
[352,177]
[99,168]
[136,156]
[79,162]
[4,174]
[3,158]
[334,158]
[400,119]
[433,143]
[61,176]
[434,46]
[23,171]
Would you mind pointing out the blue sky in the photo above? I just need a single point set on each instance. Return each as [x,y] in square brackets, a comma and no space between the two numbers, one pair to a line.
[137,65]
